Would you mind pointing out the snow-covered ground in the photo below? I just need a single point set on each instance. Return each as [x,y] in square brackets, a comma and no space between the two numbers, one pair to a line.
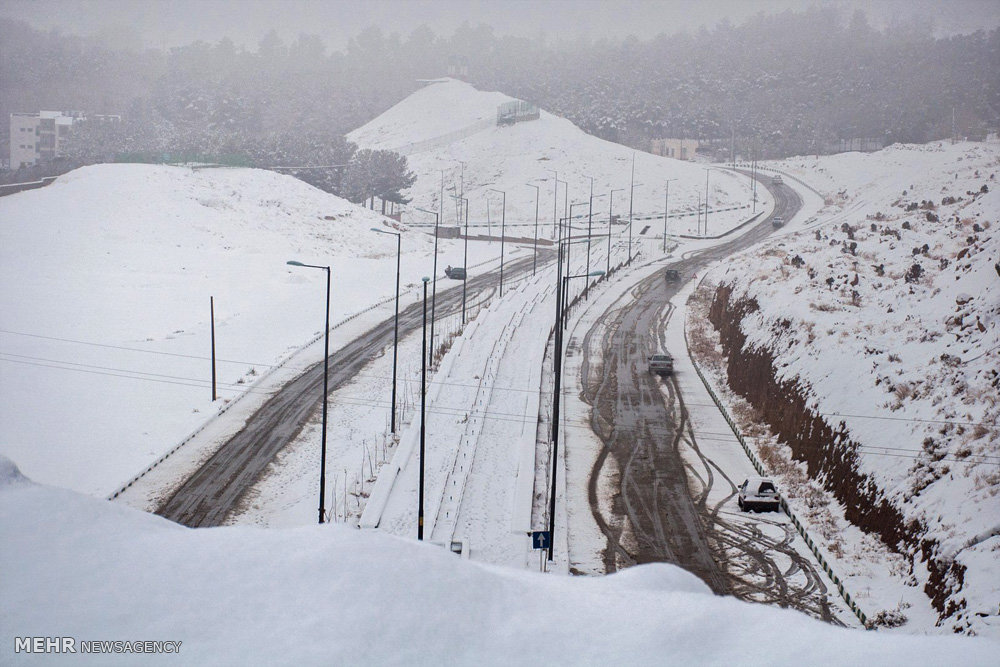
[321,595]
[107,275]
[885,306]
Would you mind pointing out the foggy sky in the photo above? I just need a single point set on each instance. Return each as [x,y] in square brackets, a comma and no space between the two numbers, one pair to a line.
[167,23]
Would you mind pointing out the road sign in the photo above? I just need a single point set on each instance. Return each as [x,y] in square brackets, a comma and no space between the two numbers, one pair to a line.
[540,539]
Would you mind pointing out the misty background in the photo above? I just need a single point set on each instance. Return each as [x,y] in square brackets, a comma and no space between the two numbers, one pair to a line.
[278,83]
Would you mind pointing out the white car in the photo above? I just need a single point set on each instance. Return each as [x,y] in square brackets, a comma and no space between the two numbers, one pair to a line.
[759,493]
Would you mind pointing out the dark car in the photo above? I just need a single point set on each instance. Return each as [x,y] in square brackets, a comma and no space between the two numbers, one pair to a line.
[661,364]
[672,275]
[456,272]
[778,221]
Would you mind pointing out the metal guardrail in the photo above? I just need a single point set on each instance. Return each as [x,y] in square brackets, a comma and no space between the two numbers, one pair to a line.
[759,467]
[12,188]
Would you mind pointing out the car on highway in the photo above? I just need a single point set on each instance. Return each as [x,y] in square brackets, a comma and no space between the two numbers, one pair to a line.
[672,275]
[776,180]
[662,364]
[778,221]
[758,493]
[455,272]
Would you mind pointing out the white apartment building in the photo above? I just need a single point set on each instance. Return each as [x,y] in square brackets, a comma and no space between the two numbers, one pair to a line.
[37,137]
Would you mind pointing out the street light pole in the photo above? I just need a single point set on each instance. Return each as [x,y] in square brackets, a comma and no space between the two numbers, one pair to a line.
[534,257]
[706,201]
[561,284]
[465,255]
[569,237]
[395,331]
[611,217]
[437,220]
[326,361]
[666,211]
[631,193]
[590,222]
[557,356]
[423,413]
[555,200]
[503,231]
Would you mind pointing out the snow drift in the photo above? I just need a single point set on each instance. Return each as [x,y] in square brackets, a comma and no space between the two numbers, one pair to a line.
[80,567]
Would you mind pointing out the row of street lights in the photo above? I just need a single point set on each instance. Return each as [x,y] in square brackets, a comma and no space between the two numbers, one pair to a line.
[562,289]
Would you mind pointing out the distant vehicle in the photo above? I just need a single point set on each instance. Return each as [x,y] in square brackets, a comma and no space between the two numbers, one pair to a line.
[776,180]
[663,364]
[778,221]
[455,272]
[672,275]
[758,493]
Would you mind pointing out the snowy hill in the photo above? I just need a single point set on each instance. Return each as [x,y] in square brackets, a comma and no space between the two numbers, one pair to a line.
[321,595]
[107,276]
[883,321]
[449,122]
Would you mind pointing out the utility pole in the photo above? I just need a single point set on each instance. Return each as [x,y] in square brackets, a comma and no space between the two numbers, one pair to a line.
[706,202]
[631,193]
[666,209]
[534,257]
[611,217]
[423,413]
[211,306]
[557,356]
[590,222]
[503,229]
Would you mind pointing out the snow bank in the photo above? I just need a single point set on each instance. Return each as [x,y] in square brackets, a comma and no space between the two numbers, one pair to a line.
[893,293]
[78,567]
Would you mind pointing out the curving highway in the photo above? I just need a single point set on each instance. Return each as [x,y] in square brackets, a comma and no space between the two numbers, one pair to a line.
[216,488]
[661,511]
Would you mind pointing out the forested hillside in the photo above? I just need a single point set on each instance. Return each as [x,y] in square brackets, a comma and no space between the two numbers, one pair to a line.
[791,82]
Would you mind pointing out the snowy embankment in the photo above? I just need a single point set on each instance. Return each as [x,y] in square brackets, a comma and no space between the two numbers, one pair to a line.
[107,276]
[112,573]
[882,321]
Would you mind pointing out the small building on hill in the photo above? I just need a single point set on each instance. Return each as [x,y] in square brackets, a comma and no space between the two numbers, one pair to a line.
[680,149]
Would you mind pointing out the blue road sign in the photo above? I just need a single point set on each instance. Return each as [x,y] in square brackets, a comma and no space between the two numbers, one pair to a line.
[540,539]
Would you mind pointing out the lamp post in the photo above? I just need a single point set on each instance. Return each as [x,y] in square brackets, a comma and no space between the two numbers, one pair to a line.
[437,220]
[706,201]
[561,284]
[569,236]
[326,361]
[465,258]
[395,332]
[503,231]
[611,217]
[423,413]
[631,193]
[590,223]
[666,211]
[534,257]
[555,199]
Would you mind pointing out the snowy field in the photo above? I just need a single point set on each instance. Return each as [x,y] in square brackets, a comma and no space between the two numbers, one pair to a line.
[107,275]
